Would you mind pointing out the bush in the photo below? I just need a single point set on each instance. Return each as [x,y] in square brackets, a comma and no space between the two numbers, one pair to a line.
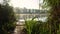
[7,19]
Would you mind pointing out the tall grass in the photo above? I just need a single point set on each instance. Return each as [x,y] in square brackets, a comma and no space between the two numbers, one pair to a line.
[39,27]
[29,25]
[36,27]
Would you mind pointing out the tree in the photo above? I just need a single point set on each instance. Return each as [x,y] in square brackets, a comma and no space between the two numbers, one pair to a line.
[7,19]
[54,15]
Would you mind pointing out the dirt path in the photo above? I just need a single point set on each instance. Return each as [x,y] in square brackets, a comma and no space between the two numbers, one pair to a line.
[18,29]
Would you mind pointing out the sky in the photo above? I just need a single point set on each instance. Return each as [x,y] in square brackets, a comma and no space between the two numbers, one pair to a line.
[26,4]
[1,1]
[30,4]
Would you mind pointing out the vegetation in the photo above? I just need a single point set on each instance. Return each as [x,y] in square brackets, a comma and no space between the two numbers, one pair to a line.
[7,19]
[36,27]
[29,25]
[54,18]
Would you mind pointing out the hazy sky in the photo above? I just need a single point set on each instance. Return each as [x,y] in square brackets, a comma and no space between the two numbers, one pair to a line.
[30,4]
[26,3]
[1,1]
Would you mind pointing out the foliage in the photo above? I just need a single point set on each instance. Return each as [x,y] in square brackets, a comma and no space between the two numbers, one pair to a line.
[54,18]
[7,19]
[29,25]
[37,27]
[52,2]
